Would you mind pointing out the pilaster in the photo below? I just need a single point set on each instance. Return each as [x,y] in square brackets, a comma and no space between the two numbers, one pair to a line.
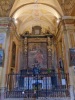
[49,52]
[25,53]
[68,30]
[17,59]
[5,28]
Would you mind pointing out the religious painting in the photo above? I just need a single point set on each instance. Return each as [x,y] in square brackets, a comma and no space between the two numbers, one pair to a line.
[37,53]
[2,40]
[72,56]
[1,57]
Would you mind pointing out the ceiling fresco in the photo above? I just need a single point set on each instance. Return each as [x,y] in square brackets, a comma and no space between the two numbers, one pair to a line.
[29,13]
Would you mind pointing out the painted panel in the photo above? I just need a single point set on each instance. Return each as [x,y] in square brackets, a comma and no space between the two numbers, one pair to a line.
[1,57]
[2,40]
[37,53]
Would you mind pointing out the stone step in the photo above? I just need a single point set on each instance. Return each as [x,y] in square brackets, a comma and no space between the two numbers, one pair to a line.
[14,99]
[40,98]
[52,98]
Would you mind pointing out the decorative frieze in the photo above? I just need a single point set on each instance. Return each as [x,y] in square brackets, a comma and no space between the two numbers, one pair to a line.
[37,40]
[25,46]
[4,24]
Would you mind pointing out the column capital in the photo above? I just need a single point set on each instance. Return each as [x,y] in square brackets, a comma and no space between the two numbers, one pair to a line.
[68,19]
[67,22]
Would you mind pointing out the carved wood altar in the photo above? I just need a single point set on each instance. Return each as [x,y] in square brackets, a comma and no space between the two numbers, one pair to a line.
[37,49]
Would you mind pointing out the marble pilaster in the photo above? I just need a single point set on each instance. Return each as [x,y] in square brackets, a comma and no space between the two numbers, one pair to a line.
[68,27]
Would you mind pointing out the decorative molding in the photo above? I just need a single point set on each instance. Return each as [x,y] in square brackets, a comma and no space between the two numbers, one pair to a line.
[66,23]
[4,24]
[37,40]
[68,17]
[38,4]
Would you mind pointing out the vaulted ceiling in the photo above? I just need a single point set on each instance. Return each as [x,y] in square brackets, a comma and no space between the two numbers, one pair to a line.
[29,13]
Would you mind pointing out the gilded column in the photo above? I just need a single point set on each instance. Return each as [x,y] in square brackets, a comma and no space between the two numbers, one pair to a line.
[25,53]
[49,53]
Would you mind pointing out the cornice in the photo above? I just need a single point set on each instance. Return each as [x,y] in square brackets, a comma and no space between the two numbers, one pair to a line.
[66,24]
[68,17]
[4,24]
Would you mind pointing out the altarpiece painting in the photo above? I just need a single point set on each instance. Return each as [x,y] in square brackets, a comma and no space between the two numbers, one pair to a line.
[37,53]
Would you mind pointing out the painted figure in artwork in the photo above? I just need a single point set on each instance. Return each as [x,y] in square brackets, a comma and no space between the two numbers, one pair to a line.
[37,54]
[39,58]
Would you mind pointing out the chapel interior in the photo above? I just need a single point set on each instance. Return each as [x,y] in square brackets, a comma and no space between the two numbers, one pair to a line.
[37,48]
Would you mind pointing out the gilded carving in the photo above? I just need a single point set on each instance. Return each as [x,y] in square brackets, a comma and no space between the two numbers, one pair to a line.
[37,39]
[49,45]
[49,48]
[25,46]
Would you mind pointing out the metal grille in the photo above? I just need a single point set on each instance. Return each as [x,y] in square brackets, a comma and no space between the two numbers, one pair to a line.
[40,85]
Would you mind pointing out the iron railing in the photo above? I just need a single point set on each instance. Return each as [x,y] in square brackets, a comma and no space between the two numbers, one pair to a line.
[3,90]
[39,85]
